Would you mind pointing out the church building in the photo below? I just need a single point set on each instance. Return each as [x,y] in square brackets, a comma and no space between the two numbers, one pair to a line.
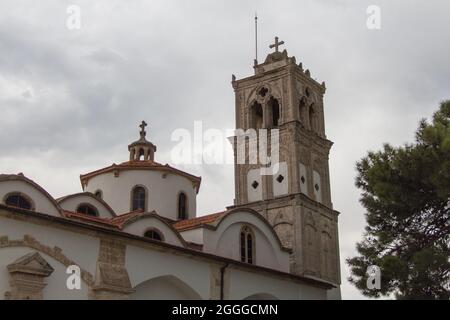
[132,232]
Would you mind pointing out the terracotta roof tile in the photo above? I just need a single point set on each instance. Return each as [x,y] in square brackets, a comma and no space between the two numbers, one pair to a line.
[88,219]
[119,221]
[197,222]
[142,164]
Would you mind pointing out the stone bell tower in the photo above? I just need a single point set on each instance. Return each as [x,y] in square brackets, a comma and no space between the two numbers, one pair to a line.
[295,200]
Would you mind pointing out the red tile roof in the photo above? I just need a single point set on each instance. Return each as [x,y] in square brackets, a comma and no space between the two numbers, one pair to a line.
[198,222]
[115,222]
[89,219]
[119,221]
[141,165]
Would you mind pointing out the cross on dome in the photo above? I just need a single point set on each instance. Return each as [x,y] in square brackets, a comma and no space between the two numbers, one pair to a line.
[142,126]
[142,149]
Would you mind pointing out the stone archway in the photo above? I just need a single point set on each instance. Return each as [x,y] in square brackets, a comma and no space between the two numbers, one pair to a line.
[261,296]
[166,287]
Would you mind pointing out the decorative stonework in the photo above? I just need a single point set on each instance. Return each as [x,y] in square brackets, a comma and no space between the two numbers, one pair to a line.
[27,277]
[55,252]
[296,218]
[112,280]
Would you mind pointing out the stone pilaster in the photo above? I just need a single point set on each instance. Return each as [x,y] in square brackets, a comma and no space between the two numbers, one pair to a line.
[111,279]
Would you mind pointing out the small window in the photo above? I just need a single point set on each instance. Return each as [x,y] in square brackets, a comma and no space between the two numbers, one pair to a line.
[312,118]
[87,209]
[99,194]
[275,112]
[256,116]
[182,206]
[255,184]
[19,201]
[153,234]
[302,110]
[247,245]
[138,201]
[280,178]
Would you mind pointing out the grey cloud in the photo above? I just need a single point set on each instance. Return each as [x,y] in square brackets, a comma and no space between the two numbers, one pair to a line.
[70,101]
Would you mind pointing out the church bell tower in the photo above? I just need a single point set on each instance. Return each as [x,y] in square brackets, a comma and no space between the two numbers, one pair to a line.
[296,199]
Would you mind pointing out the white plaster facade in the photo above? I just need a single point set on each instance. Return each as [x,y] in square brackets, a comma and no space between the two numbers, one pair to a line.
[162,188]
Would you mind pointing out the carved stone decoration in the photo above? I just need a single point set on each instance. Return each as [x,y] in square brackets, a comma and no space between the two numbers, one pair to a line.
[283,226]
[27,277]
[54,252]
[112,280]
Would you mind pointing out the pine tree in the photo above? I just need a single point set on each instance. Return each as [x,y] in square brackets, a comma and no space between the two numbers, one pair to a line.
[405,192]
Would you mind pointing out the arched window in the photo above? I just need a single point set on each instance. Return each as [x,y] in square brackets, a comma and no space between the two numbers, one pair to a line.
[99,194]
[247,244]
[153,234]
[302,110]
[19,200]
[141,154]
[87,209]
[138,199]
[274,112]
[182,206]
[256,116]
[312,118]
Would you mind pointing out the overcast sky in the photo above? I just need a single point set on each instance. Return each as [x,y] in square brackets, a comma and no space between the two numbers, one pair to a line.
[71,100]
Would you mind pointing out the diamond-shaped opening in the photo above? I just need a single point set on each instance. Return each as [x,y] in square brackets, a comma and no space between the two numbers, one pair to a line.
[316,186]
[280,178]
[302,179]
[255,184]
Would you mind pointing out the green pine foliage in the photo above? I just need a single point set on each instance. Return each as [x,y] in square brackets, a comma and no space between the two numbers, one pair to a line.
[405,192]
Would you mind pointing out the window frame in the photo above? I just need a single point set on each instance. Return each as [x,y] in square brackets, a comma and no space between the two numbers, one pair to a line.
[145,209]
[91,206]
[98,191]
[156,231]
[26,197]
[247,251]
[186,205]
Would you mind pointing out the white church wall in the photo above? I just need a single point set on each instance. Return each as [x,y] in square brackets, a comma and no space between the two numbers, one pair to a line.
[162,192]
[225,241]
[155,273]
[193,235]
[144,265]
[80,248]
[139,227]
[72,203]
[40,200]
[164,288]
[56,288]
[244,285]
[280,180]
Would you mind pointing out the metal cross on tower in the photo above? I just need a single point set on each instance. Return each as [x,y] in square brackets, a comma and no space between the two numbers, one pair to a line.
[276,44]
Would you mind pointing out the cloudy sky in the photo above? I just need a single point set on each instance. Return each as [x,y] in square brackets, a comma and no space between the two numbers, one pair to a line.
[71,100]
